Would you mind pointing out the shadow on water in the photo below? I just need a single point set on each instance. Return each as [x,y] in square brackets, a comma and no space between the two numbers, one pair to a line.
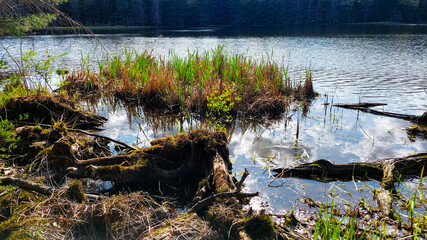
[255,31]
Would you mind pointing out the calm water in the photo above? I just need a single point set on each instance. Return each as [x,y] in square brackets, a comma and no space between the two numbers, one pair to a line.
[389,67]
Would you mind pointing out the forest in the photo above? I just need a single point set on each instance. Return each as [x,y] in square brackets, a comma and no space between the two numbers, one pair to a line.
[200,13]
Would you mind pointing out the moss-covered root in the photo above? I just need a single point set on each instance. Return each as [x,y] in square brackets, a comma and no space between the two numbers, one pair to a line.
[75,192]
[173,157]
[417,130]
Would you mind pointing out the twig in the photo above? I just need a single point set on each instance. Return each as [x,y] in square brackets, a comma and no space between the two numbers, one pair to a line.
[27,185]
[205,202]
[100,136]
[242,180]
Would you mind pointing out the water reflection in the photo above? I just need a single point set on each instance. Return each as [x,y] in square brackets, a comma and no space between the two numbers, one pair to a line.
[346,67]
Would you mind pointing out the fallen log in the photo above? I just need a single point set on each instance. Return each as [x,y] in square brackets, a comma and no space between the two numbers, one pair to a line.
[365,107]
[387,171]
[27,185]
[325,171]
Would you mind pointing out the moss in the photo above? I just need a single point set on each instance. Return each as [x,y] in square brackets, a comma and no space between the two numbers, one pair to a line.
[25,196]
[416,130]
[61,128]
[20,234]
[75,192]
[260,226]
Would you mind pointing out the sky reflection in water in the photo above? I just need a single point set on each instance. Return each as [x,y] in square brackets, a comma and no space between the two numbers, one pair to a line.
[347,68]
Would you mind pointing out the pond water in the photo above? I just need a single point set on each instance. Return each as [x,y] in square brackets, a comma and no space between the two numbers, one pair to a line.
[371,65]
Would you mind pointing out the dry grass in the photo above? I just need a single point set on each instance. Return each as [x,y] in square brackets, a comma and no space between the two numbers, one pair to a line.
[56,217]
[237,84]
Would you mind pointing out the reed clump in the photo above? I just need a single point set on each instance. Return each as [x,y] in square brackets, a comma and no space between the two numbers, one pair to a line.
[246,86]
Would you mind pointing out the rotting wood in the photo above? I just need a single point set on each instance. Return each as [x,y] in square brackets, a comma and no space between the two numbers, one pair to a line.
[222,181]
[365,107]
[387,171]
[27,185]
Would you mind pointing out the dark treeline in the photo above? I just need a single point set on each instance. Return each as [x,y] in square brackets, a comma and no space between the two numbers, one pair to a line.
[197,13]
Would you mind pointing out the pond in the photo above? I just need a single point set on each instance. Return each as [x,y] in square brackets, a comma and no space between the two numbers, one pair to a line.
[359,64]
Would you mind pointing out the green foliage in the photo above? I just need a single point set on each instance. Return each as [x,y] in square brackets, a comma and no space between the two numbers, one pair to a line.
[10,26]
[24,16]
[4,64]
[8,140]
[220,105]
[332,226]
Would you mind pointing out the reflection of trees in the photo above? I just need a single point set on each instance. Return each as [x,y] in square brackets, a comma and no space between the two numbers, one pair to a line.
[184,13]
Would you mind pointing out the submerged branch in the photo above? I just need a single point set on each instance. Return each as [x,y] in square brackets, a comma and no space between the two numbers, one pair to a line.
[365,107]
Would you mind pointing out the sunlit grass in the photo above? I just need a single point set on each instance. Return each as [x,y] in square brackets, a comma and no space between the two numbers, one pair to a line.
[254,88]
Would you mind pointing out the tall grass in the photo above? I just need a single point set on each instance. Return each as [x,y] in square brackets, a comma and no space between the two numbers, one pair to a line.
[256,88]
[332,226]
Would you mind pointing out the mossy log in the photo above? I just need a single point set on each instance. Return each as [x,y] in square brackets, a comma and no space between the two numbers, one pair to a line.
[169,158]
[365,107]
[325,171]
[387,171]
[27,185]
[49,109]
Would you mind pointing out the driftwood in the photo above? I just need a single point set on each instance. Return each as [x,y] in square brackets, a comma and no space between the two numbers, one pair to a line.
[27,185]
[387,171]
[365,107]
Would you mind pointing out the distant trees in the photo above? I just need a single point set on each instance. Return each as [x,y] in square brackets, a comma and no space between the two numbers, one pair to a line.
[189,13]
[18,17]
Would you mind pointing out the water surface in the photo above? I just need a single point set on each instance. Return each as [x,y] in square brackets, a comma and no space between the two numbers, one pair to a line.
[348,66]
